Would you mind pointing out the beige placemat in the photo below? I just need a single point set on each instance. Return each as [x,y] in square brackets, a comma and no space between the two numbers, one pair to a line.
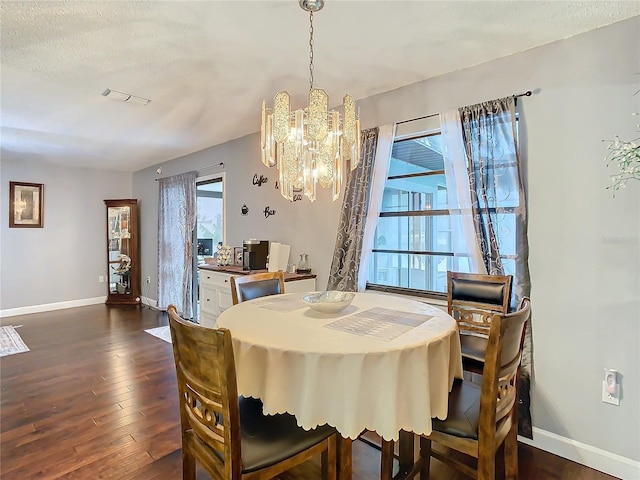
[279,303]
[380,323]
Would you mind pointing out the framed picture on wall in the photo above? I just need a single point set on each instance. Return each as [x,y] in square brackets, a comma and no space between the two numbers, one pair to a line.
[237,256]
[26,205]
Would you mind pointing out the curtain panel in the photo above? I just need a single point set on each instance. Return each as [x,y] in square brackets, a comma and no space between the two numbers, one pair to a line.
[176,221]
[489,131]
[345,264]
[379,172]
[464,245]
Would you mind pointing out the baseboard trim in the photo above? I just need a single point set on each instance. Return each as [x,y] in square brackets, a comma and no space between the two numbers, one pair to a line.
[592,457]
[47,307]
[149,302]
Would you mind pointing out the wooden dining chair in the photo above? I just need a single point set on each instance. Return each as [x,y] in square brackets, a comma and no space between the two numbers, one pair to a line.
[230,436]
[472,299]
[482,417]
[248,287]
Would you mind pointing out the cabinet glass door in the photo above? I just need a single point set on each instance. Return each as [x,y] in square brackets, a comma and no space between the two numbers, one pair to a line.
[119,250]
[123,264]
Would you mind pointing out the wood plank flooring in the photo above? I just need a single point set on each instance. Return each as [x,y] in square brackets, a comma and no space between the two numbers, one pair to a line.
[96,398]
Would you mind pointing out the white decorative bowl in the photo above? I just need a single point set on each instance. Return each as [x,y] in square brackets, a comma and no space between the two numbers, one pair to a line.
[329,302]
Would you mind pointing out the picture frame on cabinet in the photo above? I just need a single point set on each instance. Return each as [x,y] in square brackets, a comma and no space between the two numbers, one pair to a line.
[26,205]
[237,256]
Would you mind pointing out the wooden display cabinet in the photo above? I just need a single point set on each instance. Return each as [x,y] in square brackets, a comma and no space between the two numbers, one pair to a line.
[123,252]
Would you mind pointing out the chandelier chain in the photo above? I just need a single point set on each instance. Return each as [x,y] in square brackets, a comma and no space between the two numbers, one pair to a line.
[311,50]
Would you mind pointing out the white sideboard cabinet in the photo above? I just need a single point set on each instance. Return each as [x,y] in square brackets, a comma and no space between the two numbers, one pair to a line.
[215,290]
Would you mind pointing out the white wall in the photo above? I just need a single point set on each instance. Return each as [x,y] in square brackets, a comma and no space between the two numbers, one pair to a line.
[60,263]
[584,258]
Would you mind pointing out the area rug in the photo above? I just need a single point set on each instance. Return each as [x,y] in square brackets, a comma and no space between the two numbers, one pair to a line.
[161,332]
[10,342]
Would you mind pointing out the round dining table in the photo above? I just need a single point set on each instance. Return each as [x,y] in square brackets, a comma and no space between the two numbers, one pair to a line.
[385,363]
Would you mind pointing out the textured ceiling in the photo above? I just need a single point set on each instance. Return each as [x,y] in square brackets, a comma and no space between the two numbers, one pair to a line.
[206,66]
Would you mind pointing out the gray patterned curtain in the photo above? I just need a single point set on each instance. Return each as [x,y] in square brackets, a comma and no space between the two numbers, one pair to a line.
[343,275]
[176,221]
[499,208]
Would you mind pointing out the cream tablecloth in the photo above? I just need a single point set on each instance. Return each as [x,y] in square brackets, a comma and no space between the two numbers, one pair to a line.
[353,370]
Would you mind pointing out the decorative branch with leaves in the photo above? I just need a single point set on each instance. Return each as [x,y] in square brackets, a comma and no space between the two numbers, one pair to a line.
[625,155]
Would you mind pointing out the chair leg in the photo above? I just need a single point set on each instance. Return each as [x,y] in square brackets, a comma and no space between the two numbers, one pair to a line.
[329,460]
[425,458]
[511,453]
[386,460]
[344,461]
[188,466]
[487,463]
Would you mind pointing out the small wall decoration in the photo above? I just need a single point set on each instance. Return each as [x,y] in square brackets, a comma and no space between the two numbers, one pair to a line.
[259,180]
[297,194]
[26,205]
[276,185]
[244,210]
[268,212]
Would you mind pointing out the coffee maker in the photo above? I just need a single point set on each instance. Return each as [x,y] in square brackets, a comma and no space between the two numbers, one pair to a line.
[254,254]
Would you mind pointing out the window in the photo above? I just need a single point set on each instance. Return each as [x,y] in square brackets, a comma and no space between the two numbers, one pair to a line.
[413,245]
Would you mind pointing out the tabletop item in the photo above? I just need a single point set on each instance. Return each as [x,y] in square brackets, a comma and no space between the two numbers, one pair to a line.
[225,255]
[303,264]
[278,256]
[331,301]
[254,254]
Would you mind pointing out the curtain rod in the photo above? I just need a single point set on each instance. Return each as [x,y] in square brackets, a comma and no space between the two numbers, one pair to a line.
[221,164]
[528,93]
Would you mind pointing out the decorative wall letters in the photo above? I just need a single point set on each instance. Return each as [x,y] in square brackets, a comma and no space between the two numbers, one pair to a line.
[258,181]
[268,212]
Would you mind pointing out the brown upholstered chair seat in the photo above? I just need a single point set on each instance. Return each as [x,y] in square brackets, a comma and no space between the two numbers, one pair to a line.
[463,413]
[269,439]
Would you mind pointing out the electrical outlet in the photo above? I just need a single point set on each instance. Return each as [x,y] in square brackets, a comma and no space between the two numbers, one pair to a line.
[611,387]
[148,280]
[101,279]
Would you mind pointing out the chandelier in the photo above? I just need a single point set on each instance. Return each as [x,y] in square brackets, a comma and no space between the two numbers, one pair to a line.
[313,144]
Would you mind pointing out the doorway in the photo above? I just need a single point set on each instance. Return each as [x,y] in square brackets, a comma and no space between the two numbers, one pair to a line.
[210,227]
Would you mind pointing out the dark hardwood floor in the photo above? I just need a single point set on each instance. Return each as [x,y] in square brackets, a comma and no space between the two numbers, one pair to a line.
[96,398]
